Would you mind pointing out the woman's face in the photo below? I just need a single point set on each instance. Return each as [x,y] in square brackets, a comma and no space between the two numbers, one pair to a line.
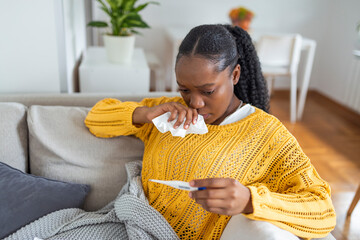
[211,93]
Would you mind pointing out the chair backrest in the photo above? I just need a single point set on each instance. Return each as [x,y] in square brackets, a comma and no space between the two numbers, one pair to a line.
[280,51]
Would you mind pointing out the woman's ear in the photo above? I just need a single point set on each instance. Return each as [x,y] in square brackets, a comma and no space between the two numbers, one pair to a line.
[235,76]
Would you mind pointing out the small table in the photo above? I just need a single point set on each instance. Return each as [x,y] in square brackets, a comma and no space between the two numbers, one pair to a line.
[97,74]
[176,35]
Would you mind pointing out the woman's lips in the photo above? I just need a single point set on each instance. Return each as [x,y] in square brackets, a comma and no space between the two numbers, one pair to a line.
[205,116]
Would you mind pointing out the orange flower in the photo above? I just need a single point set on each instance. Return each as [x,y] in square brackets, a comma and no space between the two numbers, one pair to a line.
[241,17]
[240,13]
[234,13]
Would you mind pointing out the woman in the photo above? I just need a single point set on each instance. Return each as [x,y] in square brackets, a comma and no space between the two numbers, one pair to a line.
[248,162]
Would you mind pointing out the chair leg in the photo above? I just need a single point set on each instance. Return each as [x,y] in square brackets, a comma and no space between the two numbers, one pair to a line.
[293,98]
[354,202]
[306,77]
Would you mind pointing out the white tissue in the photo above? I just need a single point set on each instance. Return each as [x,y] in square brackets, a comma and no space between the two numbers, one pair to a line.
[162,124]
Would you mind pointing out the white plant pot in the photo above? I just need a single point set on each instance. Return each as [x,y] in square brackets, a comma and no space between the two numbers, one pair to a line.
[119,49]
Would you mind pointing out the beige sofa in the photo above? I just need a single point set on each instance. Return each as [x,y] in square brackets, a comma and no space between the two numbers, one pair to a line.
[44,134]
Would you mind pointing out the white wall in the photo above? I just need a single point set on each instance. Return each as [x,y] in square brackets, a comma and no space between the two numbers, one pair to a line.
[330,22]
[28,47]
[74,37]
[335,51]
[278,16]
[32,60]
[41,41]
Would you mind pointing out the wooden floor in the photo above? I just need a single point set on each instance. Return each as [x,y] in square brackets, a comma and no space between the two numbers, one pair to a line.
[330,135]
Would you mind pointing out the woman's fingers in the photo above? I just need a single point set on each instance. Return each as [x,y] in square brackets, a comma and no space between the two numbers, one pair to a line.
[191,118]
[219,201]
[213,193]
[195,116]
[214,182]
[210,203]
[181,113]
[178,112]
[174,114]
[222,195]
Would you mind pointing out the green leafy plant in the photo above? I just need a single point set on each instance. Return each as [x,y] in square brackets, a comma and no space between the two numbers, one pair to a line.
[124,16]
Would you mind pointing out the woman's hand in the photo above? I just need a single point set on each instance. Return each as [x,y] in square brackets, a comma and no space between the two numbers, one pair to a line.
[177,110]
[224,196]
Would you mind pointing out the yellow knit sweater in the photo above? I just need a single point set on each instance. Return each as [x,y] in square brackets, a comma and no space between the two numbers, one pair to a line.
[258,151]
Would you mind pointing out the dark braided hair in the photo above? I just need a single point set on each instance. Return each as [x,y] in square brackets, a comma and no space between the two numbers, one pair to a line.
[226,46]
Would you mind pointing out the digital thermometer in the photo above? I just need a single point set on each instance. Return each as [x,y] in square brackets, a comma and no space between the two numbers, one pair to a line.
[178,184]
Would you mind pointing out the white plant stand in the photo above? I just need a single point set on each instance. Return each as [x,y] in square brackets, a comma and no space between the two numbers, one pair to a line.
[98,75]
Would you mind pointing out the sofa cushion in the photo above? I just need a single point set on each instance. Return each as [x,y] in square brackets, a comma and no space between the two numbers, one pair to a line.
[13,135]
[62,148]
[25,198]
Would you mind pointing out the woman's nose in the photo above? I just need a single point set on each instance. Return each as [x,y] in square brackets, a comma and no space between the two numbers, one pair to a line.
[196,101]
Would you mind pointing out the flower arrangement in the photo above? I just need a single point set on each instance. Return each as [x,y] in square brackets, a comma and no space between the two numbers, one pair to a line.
[241,17]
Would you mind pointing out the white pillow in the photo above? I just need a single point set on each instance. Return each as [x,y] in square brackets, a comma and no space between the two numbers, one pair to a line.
[240,227]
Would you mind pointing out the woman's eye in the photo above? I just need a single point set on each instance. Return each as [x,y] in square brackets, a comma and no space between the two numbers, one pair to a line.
[183,90]
[209,92]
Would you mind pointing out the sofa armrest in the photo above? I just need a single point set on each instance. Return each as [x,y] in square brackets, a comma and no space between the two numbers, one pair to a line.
[239,225]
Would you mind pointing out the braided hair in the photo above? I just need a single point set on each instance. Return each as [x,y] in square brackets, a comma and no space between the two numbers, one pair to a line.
[226,46]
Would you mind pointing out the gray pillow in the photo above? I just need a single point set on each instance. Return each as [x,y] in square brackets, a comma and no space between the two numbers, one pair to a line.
[25,198]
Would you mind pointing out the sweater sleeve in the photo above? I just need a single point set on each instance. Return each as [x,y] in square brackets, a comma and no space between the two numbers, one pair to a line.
[291,194]
[111,117]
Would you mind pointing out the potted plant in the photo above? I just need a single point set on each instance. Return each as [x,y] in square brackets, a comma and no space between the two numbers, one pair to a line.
[241,17]
[124,18]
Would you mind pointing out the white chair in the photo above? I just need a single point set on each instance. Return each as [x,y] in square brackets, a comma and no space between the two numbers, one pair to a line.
[279,55]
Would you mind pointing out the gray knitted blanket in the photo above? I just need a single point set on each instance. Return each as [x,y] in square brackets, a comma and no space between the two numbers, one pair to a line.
[129,216]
